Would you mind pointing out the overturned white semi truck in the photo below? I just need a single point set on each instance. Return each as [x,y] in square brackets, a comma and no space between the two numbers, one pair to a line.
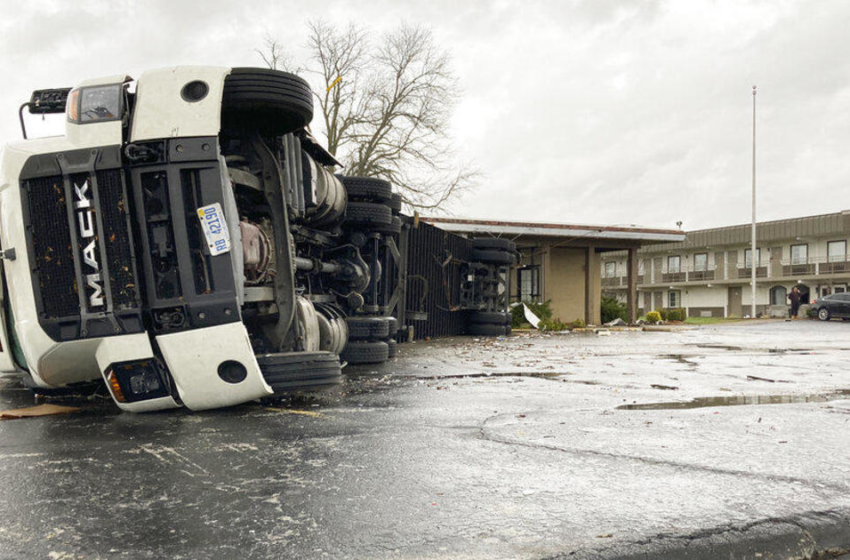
[186,242]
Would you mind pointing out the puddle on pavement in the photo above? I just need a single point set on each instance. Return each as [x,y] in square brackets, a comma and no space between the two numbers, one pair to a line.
[681,358]
[705,402]
[546,374]
[719,346]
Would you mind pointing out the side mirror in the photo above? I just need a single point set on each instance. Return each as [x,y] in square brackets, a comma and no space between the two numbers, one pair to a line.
[45,101]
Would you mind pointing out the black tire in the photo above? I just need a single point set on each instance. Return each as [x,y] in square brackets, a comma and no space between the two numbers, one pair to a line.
[823,314]
[392,349]
[393,228]
[494,243]
[300,371]
[392,325]
[273,101]
[368,214]
[359,352]
[395,203]
[490,317]
[477,329]
[365,328]
[367,189]
[492,256]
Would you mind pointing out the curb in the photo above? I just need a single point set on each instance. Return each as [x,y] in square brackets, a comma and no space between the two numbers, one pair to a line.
[816,535]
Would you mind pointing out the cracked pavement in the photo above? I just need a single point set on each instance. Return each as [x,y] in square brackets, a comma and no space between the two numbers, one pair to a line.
[467,448]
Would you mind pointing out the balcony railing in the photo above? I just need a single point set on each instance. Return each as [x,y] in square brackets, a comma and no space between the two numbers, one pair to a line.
[761,272]
[700,275]
[671,277]
[815,266]
[619,281]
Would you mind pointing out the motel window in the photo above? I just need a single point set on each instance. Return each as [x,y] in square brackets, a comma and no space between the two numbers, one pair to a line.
[673,264]
[799,254]
[836,251]
[610,269]
[748,258]
[529,283]
[674,298]
[701,262]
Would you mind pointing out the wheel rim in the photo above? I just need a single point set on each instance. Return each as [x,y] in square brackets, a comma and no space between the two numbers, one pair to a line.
[823,314]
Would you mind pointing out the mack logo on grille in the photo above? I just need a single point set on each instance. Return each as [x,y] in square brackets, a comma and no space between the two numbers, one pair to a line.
[86,221]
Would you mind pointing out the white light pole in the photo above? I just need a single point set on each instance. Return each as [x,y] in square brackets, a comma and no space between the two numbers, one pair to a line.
[754,259]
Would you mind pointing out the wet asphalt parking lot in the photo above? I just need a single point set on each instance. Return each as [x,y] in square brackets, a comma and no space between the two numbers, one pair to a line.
[727,442]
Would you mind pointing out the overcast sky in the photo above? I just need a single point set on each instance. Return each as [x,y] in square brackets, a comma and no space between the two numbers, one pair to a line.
[590,111]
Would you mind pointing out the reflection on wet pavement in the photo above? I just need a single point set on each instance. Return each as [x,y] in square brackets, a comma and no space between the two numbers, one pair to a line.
[705,402]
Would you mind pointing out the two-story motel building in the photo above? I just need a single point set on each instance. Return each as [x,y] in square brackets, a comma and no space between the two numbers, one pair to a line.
[709,272]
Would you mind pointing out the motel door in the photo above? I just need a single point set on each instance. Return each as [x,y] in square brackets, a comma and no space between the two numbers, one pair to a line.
[735,299]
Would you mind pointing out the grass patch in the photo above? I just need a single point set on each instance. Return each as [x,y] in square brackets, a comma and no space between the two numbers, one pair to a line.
[711,320]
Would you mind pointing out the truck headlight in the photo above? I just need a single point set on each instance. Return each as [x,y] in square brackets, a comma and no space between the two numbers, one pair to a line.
[137,380]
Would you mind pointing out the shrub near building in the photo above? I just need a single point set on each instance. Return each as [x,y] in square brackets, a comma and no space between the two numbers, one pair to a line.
[613,309]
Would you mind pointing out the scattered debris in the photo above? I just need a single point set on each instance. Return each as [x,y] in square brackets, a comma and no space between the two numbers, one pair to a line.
[664,387]
[616,323]
[602,332]
[36,411]
[309,413]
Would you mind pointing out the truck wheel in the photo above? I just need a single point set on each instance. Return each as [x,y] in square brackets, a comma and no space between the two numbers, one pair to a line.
[490,317]
[395,203]
[275,102]
[359,352]
[392,347]
[392,323]
[393,228]
[300,371]
[368,214]
[367,188]
[477,329]
[492,256]
[494,243]
[364,328]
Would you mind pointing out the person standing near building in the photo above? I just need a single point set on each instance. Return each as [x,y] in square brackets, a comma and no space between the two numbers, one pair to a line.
[794,296]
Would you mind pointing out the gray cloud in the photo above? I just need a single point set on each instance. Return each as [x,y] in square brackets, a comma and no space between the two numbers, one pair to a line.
[583,111]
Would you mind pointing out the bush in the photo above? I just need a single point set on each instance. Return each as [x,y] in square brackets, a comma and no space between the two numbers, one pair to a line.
[653,317]
[675,314]
[553,325]
[613,309]
[662,313]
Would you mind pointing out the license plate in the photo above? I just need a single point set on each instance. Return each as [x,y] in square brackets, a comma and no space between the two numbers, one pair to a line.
[215,228]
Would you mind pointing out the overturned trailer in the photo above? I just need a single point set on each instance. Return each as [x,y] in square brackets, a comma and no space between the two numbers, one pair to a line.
[189,243]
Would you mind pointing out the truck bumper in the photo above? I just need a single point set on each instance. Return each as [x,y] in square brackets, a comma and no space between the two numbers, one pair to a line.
[213,367]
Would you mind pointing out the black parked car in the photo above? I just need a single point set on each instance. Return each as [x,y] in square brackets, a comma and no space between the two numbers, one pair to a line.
[832,306]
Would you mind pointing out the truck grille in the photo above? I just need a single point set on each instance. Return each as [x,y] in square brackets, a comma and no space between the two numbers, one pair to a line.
[119,253]
[52,247]
[76,300]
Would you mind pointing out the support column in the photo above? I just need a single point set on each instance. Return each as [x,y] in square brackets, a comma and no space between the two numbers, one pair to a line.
[588,290]
[632,266]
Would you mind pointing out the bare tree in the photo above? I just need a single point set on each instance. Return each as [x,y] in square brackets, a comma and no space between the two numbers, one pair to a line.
[274,55]
[341,57]
[386,107]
